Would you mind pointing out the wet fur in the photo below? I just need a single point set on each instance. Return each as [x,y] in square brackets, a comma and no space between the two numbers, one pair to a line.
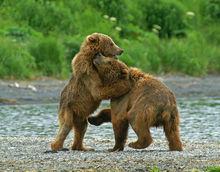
[150,103]
[85,90]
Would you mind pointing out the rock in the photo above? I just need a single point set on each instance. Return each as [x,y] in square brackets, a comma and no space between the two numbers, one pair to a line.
[16,85]
[33,88]
[7,101]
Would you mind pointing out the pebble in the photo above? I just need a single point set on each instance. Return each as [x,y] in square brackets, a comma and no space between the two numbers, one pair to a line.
[27,154]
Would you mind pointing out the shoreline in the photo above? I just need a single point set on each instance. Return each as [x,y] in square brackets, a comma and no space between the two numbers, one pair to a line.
[47,90]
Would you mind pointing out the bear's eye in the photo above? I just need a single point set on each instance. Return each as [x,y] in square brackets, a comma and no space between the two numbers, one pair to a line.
[111,44]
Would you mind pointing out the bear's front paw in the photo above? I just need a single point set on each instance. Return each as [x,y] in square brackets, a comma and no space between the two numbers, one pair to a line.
[55,146]
[81,148]
[116,149]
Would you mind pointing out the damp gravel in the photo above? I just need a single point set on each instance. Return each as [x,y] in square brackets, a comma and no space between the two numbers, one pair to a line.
[27,130]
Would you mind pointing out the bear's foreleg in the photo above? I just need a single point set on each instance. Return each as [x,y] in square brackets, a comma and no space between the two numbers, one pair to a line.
[113,90]
[120,127]
[79,128]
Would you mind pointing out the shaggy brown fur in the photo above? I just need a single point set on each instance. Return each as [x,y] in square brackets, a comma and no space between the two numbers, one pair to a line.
[148,104]
[84,92]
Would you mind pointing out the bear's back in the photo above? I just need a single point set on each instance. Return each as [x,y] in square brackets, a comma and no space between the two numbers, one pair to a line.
[151,87]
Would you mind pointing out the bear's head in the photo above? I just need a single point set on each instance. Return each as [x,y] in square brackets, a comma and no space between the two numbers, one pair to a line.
[110,69]
[98,42]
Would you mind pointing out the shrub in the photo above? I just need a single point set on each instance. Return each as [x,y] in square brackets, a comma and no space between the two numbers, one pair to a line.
[212,33]
[20,34]
[165,17]
[15,60]
[214,59]
[144,53]
[211,10]
[90,20]
[133,56]
[112,8]
[131,31]
[54,30]
[72,46]
[45,16]
[188,56]
[1,2]
[49,57]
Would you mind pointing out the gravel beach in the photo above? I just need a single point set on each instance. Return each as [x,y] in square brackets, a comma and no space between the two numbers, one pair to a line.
[24,150]
[27,154]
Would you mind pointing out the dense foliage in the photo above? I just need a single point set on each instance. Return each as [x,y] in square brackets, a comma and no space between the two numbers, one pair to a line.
[40,37]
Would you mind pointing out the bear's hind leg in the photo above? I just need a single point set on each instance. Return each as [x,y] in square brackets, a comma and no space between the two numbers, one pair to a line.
[144,140]
[120,127]
[65,127]
[171,129]
[141,127]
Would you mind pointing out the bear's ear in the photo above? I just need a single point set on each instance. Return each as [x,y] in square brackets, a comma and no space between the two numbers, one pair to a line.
[94,38]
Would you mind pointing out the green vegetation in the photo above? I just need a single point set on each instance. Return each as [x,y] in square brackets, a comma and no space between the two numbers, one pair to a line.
[209,169]
[213,169]
[40,37]
[153,169]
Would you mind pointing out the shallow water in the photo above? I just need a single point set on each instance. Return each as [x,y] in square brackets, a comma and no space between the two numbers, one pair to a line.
[200,120]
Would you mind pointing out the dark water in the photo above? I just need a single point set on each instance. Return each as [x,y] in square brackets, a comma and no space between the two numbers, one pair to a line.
[200,120]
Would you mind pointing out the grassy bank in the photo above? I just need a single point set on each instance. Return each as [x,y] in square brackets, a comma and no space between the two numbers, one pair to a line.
[39,38]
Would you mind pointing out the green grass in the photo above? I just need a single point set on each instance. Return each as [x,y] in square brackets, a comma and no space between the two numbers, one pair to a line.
[15,60]
[49,57]
[209,169]
[40,38]
[213,169]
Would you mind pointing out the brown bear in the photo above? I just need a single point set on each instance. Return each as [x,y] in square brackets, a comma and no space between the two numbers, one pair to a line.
[149,103]
[84,92]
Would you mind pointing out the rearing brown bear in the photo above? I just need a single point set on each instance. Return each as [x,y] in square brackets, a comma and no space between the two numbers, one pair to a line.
[85,90]
[149,103]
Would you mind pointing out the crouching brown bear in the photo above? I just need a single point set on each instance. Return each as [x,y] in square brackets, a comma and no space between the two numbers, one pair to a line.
[149,103]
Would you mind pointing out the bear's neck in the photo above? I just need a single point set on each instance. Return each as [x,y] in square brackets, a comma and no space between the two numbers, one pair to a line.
[89,50]
[136,74]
